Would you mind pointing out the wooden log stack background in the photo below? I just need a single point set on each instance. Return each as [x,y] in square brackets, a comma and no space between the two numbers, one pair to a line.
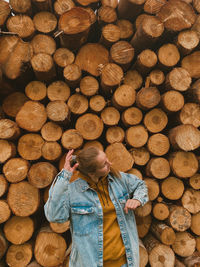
[123,76]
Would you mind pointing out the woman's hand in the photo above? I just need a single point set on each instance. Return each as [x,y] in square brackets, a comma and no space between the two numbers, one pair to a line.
[131,204]
[68,158]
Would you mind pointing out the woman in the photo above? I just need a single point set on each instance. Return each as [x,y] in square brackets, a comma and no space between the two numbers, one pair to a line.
[99,202]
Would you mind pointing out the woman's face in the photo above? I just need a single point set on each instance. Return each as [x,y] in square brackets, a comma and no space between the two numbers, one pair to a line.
[103,165]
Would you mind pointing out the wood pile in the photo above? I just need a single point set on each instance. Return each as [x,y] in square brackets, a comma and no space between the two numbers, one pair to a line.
[124,77]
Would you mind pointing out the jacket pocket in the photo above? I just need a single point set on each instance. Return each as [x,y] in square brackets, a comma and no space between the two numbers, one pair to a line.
[83,220]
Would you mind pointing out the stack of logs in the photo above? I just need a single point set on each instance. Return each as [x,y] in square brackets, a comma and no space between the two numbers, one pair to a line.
[124,77]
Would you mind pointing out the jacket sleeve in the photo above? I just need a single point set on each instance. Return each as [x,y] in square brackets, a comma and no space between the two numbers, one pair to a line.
[136,187]
[57,206]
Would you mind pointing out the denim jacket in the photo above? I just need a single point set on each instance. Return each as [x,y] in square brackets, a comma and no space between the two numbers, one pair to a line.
[80,204]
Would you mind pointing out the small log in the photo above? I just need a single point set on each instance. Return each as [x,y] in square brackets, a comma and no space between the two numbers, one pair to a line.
[9,129]
[158,167]
[155,120]
[110,3]
[158,144]
[23,198]
[160,211]
[184,137]
[183,164]
[60,227]
[153,6]
[122,53]
[130,9]
[16,169]
[22,25]
[41,174]
[156,77]
[131,116]
[123,97]
[153,188]
[8,150]
[45,22]
[21,6]
[139,20]
[58,90]
[58,111]
[140,155]
[78,104]
[34,264]
[42,43]
[168,55]
[63,57]
[195,224]
[133,78]
[5,11]
[13,103]
[194,181]
[178,263]
[46,244]
[148,97]
[90,126]
[190,114]
[178,79]
[36,90]
[147,34]
[115,134]
[143,254]
[177,15]
[119,156]
[72,74]
[74,25]
[172,188]
[51,131]
[158,253]
[18,230]
[43,67]
[193,260]
[3,246]
[71,139]
[7,43]
[95,144]
[89,86]
[136,172]
[172,101]
[143,225]
[51,151]
[126,29]
[19,255]
[191,64]
[30,146]
[62,6]
[3,185]
[179,218]
[43,5]
[110,34]
[187,41]
[184,244]
[136,136]
[34,110]
[145,210]
[97,103]
[146,60]
[110,116]
[5,211]
[111,77]
[163,232]
[191,200]
[106,14]
[194,92]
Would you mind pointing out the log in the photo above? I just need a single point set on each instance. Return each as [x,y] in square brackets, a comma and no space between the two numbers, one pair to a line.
[47,242]
[147,98]
[63,57]
[145,210]
[19,255]
[136,136]
[30,146]
[194,92]
[195,223]
[95,144]
[51,132]
[190,114]
[34,110]
[140,155]
[168,56]
[61,6]
[163,233]
[179,218]
[58,111]
[184,137]
[153,188]
[155,120]
[160,211]
[106,15]
[172,188]
[130,9]
[71,139]
[193,260]
[36,91]
[172,101]
[190,63]
[146,60]
[196,5]
[60,227]
[97,103]
[115,134]
[194,181]
[156,77]
[58,90]
[158,167]
[133,78]
[72,75]
[43,5]
[143,225]
[153,6]
[78,104]
[183,164]
[51,151]
[90,126]
[34,264]
[184,244]
[158,253]
[110,116]
[111,3]
[187,41]
[136,172]
[198,244]
[143,254]
[42,43]
[123,97]
[8,150]
[119,156]
[45,22]
[3,246]
[3,185]
[5,211]
[191,200]
[18,230]
[41,174]
[158,144]
[126,29]
[21,6]
[16,169]
[13,103]
[110,34]
[9,129]
[89,86]
[131,116]
[5,11]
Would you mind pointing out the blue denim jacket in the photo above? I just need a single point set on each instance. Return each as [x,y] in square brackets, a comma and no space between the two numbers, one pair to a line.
[80,204]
